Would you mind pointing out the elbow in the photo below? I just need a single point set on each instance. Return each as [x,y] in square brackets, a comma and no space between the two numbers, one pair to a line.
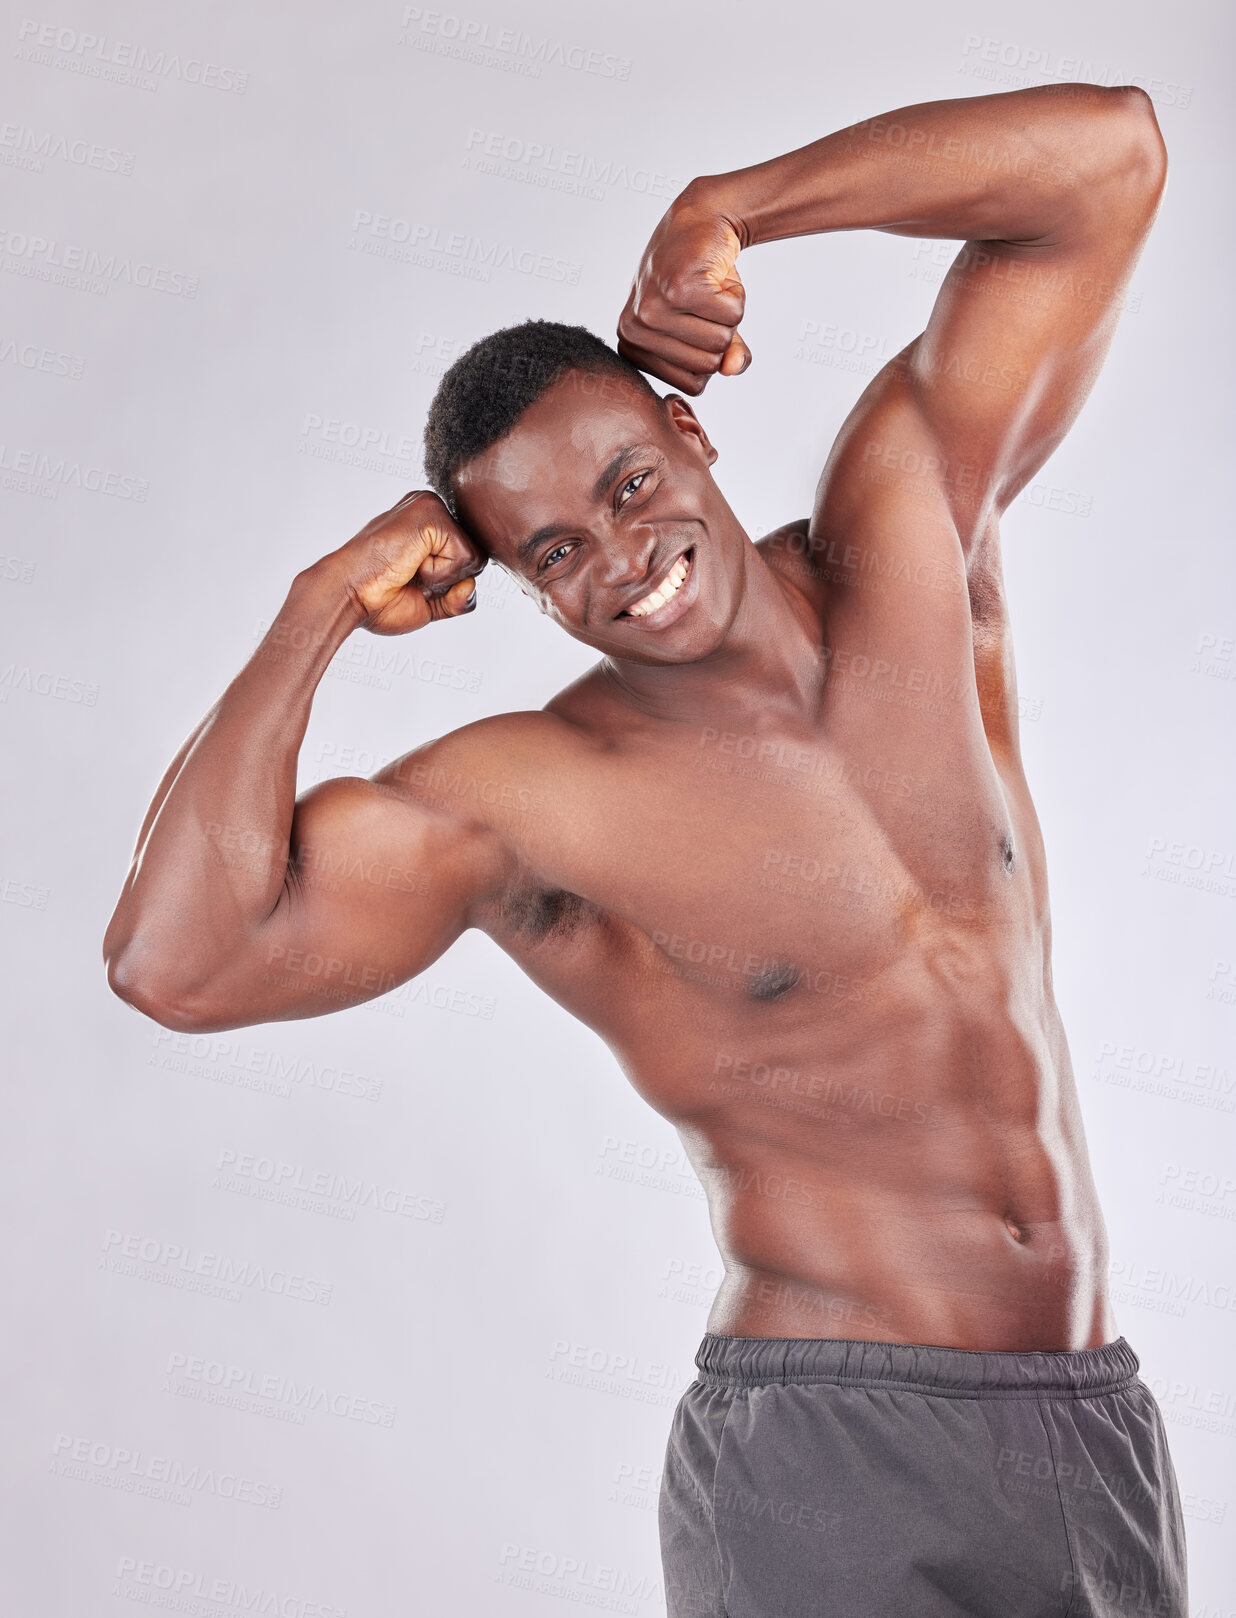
[141,983]
[1136,153]
[1148,151]
[1113,148]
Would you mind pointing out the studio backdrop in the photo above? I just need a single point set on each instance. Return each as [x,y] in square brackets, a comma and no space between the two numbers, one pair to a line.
[386,1312]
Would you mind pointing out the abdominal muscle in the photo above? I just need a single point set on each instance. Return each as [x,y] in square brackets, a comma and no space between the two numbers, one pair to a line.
[877,1096]
[916,1275]
[929,1185]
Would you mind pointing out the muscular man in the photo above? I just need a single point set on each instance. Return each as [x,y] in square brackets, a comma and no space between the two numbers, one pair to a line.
[778,849]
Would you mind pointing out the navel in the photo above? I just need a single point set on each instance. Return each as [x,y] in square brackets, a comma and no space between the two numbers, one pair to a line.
[773,981]
[1007,856]
[1016,1231]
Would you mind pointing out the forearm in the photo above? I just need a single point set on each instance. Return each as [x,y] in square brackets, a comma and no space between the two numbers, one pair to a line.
[1015,167]
[212,856]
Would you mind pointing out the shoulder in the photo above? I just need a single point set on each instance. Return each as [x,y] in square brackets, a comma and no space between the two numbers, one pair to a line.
[498,763]
[793,555]
[504,786]
[784,543]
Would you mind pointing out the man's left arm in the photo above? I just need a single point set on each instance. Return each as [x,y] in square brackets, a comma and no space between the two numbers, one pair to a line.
[1053,191]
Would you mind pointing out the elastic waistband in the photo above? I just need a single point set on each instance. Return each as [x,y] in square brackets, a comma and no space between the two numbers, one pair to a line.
[958,1373]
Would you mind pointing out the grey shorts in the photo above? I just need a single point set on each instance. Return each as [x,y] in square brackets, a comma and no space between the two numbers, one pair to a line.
[828,1478]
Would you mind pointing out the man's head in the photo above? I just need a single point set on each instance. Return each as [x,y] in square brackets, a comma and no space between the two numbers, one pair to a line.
[566,467]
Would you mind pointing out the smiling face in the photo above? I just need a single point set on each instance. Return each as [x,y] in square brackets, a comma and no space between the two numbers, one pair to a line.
[601,502]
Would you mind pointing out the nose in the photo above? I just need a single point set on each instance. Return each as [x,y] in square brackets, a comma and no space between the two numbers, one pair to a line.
[626,558]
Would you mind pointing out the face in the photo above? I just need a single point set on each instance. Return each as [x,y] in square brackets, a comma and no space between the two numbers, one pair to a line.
[600,501]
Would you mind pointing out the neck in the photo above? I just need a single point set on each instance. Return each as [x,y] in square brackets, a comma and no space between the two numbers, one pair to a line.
[766,669]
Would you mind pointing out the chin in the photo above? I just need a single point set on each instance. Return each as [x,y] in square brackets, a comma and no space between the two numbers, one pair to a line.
[692,648]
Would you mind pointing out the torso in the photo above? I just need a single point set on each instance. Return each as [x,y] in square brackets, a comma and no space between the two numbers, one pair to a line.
[823,954]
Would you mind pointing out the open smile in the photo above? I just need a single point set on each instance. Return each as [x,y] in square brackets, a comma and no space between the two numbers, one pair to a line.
[671,597]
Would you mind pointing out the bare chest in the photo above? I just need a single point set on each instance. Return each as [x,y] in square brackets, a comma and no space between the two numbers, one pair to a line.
[761,868]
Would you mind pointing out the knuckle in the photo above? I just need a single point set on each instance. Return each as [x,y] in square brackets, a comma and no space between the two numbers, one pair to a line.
[414,497]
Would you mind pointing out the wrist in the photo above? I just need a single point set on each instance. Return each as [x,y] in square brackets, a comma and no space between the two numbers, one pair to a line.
[721,196]
[317,616]
[740,198]
[321,596]
[798,194]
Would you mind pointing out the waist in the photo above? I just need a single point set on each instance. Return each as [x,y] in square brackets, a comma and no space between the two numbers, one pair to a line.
[944,1372]
[963,1279]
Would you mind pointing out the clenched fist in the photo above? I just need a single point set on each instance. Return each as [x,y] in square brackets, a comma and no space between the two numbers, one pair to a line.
[680,320]
[409,567]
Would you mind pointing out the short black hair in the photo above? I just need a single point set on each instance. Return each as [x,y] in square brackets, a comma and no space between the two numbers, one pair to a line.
[490,385]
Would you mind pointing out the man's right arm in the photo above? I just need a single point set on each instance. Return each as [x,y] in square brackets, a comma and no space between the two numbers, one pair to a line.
[245,905]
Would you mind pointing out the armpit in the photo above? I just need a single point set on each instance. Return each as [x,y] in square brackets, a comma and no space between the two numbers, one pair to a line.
[536,913]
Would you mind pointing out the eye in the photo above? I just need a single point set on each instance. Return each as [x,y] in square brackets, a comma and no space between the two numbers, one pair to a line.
[636,481]
[548,561]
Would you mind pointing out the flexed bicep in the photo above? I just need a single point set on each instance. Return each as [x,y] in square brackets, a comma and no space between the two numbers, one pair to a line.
[377,887]
[1020,329]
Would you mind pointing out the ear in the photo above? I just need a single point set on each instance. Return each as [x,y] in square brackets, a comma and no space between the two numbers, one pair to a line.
[684,420]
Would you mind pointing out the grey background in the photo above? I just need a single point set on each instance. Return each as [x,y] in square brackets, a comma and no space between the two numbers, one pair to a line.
[527,1269]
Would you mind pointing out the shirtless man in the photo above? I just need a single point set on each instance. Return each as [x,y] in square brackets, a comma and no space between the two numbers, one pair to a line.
[778,849]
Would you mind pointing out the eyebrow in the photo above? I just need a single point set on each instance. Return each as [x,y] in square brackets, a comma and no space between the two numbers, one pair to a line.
[614,466]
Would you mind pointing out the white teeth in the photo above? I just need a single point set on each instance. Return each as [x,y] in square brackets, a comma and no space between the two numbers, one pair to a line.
[668,587]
